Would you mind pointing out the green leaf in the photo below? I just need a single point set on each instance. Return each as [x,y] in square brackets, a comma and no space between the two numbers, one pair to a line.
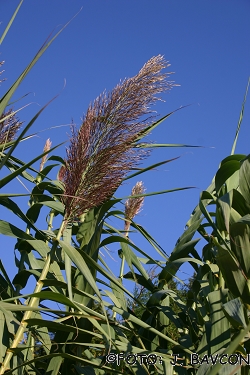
[213,370]
[240,243]
[156,193]
[58,358]
[38,201]
[4,336]
[172,267]
[225,172]
[67,233]
[55,326]
[225,203]
[10,22]
[113,239]
[57,158]
[22,277]
[237,157]
[239,203]
[6,98]
[126,315]
[117,297]
[151,167]
[149,129]
[106,274]
[244,179]
[6,157]
[220,327]
[206,199]
[150,239]
[4,181]
[234,311]
[76,258]
[57,297]
[11,230]
[2,269]
[240,119]
[183,249]
[153,145]
[11,205]
[57,206]
[45,171]
[131,258]
[87,229]
[233,274]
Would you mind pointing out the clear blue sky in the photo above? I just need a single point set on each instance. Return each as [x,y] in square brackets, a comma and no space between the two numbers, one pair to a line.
[207,44]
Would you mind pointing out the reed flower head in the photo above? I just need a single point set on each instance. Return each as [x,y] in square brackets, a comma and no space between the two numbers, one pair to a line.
[102,151]
[134,205]
[47,147]
[9,125]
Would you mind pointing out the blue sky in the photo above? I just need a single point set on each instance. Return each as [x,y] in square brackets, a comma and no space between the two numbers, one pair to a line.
[207,44]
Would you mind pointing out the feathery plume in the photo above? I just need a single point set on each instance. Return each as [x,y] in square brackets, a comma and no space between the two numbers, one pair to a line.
[102,151]
[134,205]
[9,125]
[47,147]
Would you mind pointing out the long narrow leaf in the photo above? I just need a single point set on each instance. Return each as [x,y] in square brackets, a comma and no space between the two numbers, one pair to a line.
[10,22]
[153,166]
[13,175]
[144,325]
[157,193]
[23,133]
[5,99]
[11,205]
[154,145]
[149,129]
[240,119]
[229,350]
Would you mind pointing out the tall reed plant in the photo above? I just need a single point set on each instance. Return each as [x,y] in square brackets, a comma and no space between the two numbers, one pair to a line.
[93,320]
